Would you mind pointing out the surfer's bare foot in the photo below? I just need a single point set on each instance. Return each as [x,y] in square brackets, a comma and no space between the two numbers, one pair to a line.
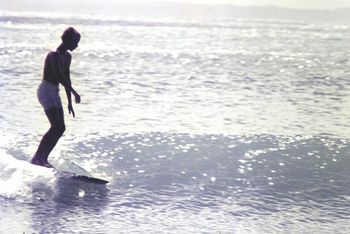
[42,163]
[36,161]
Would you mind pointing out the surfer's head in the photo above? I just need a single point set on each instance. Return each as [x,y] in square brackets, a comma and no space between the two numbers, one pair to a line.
[71,38]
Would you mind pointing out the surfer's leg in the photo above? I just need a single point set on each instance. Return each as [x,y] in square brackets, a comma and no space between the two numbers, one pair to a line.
[49,140]
[59,128]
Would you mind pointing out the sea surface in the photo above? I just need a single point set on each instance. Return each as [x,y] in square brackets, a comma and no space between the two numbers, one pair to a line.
[201,126]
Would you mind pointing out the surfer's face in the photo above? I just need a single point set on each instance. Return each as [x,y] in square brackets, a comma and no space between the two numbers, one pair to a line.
[74,42]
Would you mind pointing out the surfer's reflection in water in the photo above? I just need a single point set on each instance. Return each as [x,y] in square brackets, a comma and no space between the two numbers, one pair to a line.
[56,71]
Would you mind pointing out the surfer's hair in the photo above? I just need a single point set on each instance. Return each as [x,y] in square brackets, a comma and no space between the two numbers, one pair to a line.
[70,34]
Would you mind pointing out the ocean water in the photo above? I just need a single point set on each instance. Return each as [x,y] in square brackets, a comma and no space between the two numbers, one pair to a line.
[201,126]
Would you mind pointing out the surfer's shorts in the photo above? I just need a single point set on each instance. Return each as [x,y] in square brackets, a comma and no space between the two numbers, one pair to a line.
[48,95]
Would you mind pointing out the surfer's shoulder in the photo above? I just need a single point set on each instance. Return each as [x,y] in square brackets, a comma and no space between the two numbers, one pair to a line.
[51,55]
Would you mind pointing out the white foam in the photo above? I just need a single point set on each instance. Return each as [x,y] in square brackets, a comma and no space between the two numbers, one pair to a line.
[18,177]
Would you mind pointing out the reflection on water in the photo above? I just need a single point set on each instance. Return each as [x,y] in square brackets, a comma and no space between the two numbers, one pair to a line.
[169,182]
[231,77]
[237,126]
[52,208]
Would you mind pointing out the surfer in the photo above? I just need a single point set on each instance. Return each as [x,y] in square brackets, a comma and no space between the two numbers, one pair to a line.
[56,71]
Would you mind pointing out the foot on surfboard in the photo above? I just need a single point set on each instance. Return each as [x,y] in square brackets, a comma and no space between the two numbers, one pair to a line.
[41,163]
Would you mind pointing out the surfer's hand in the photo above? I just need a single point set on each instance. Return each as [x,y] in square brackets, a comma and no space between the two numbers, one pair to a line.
[77,97]
[70,109]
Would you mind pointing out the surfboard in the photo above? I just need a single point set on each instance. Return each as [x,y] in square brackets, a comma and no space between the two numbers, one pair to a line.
[84,178]
[74,171]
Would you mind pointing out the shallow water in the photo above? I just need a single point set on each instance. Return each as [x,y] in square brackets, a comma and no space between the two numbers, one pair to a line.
[231,126]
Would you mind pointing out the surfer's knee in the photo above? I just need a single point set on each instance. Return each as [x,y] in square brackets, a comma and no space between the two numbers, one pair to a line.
[61,130]
[58,130]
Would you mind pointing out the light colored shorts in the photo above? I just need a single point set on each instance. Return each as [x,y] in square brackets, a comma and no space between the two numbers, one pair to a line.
[48,95]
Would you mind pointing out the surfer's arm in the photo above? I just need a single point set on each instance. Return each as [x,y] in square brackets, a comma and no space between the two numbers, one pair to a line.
[69,90]
[69,94]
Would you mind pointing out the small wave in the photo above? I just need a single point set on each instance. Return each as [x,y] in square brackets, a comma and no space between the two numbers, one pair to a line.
[18,177]
[10,19]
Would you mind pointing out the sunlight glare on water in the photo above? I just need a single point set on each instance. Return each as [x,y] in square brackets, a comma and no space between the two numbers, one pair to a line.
[226,126]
